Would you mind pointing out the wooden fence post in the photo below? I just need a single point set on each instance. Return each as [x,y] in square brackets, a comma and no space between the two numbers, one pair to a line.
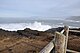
[66,32]
[59,42]
[48,48]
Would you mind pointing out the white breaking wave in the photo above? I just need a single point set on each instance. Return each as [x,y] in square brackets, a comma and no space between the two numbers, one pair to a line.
[34,26]
[38,26]
[72,21]
[20,26]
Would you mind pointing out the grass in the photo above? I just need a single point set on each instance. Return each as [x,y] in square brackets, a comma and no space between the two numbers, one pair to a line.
[20,44]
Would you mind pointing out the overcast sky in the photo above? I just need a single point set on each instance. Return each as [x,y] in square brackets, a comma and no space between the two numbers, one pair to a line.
[44,8]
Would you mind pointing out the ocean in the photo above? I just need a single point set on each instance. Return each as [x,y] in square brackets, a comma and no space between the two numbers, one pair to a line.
[40,25]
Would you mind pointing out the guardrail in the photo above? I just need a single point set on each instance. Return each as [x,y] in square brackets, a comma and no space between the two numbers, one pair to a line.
[59,43]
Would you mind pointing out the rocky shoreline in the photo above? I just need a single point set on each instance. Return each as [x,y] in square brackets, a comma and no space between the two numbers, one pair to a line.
[38,36]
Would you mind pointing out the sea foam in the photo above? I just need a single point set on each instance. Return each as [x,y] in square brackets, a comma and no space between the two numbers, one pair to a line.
[21,26]
[34,26]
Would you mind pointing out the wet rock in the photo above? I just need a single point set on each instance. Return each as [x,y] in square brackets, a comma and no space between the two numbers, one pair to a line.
[52,30]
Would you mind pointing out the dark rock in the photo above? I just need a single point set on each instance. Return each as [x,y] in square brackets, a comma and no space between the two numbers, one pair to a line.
[55,29]
[27,32]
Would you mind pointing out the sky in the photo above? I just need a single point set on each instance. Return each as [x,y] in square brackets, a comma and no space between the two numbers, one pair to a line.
[40,8]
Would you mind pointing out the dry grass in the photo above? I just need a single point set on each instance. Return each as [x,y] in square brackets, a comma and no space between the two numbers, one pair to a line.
[20,44]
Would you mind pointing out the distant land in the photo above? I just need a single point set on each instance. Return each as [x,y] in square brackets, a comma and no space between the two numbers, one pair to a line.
[76,18]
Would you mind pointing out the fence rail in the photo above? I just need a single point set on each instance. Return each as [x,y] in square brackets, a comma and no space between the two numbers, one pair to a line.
[48,48]
[74,31]
[59,43]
